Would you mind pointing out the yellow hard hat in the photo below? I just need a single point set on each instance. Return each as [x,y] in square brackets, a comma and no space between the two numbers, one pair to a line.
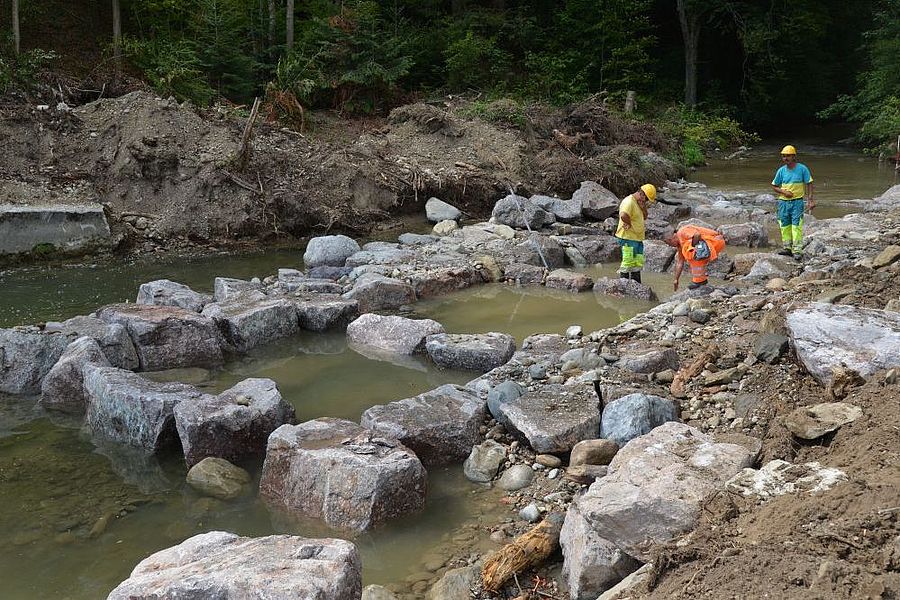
[650,191]
[789,150]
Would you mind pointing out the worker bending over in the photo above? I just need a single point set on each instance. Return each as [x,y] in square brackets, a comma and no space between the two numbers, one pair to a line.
[630,232]
[698,246]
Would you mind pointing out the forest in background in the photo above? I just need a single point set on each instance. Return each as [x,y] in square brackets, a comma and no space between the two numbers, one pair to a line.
[706,65]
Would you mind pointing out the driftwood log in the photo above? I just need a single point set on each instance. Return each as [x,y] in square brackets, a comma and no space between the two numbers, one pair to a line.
[526,551]
[692,370]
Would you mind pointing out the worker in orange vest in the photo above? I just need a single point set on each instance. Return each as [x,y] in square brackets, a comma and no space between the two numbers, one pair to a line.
[698,246]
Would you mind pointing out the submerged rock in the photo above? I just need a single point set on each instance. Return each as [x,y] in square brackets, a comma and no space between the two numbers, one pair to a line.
[329,250]
[164,292]
[563,279]
[474,352]
[341,473]
[26,358]
[63,387]
[392,334]
[218,478]
[222,565]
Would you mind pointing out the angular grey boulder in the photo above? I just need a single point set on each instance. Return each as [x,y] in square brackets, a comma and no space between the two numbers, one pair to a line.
[621,287]
[377,292]
[554,418]
[227,288]
[473,352]
[329,250]
[63,387]
[247,322]
[341,473]
[164,292]
[517,212]
[392,334]
[564,279]
[321,312]
[749,234]
[484,461]
[652,361]
[440,426]
[501,393]
[658,256]
[565,211]
[26,358]
[224,566]
[235,425]
[437,210]
[597,202]
[128,409]
[634,415]
[112,337]
[167,337]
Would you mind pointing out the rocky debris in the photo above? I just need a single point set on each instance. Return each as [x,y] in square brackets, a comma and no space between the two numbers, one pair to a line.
[164,292]
[218,478]
[484,461]
[222,565]
[440,426]
[167,337]
[653,492]
[653,361]
[112,338]
[517,212]
[63,387]
[377,292]
[392,334]
[828,336]
[658,256]
[812,422]
[753,235]
[247,322]
[227,288]
[778,477]
[321,312]
[234,425]
[437,210]
[597,202]
[770,347]
[553,418]
[501,393]
[515,478]
[445,227]
[563,279]
[341,473]
[621,287]
[26,357]
[634,415]
[329,250]
[474,352]
[743,263]
[128,409]
[593,452]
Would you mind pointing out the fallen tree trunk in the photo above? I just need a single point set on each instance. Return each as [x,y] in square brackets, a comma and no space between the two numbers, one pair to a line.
[526,551]
[692,370]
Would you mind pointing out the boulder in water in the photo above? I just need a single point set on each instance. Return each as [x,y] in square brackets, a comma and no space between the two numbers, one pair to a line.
[329,250]
[63,387]
[164,292]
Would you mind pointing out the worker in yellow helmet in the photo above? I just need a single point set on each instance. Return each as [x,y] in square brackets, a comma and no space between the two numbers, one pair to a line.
[794,184]
[630,232]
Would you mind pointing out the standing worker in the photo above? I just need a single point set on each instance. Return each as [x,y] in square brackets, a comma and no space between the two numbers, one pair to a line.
[792,183]
[630,232]
[698,246]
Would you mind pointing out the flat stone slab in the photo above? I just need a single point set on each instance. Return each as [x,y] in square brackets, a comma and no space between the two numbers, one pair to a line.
[563,279]
[828,336]
[440,426]
[128,409]
[63,387]
[65,227]
[235,425]
[26,358]
[429,283]
[812,422]
[377,292]
[247,322]
[474,352]
[223,565]
[321,312]
[554,418]
[164,292]
[341,473]
[167,337]
[392,334]
[620,287]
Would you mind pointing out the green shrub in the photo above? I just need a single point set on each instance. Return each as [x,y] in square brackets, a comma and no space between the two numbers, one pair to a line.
[20,72]
[702,132]
[504,111]
[172,67]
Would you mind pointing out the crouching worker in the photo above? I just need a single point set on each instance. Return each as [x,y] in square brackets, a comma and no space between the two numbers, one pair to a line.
[698,246]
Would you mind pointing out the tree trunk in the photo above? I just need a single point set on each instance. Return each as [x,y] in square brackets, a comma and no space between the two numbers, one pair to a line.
[289,25]
[15,26]
[690,33]
[117,34]
[271,23]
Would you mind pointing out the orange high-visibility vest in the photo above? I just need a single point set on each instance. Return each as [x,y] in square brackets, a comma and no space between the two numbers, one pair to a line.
[713,239]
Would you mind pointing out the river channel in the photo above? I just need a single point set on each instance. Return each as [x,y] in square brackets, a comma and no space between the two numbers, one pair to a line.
[75,518]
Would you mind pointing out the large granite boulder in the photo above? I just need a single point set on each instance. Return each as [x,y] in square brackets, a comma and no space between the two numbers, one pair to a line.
[440,426]
[377,292]
[321,312]
[234,425]
[826,336]
[594,248]
[128,409]
[429,283]
[228,288]
[247,322]
[63,387]
[564,211]
[26,357]
[437,210]
[474,352]
[553,418]
[634,415]
[167,337]
[224,566]
[597,202]
[621,287]
[329,250]
[113,339]
[653,492]
[164,292]
[517,212]
[392,334]
[341,473]
[538,248]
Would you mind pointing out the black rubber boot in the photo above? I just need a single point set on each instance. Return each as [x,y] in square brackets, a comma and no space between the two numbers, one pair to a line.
[636,276]
[786,252]
[624,275]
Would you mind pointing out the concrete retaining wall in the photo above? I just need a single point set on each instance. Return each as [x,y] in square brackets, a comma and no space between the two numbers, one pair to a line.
[66,227]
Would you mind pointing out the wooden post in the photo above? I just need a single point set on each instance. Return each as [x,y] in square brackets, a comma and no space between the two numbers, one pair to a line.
[630,101]
[15,26]
[289,25]
[117,34]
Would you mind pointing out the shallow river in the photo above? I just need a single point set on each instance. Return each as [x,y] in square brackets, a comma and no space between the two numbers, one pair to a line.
[76,518]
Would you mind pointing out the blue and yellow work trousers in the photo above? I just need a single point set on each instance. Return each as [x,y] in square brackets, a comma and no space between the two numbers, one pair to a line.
[790,218]
[632,256]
